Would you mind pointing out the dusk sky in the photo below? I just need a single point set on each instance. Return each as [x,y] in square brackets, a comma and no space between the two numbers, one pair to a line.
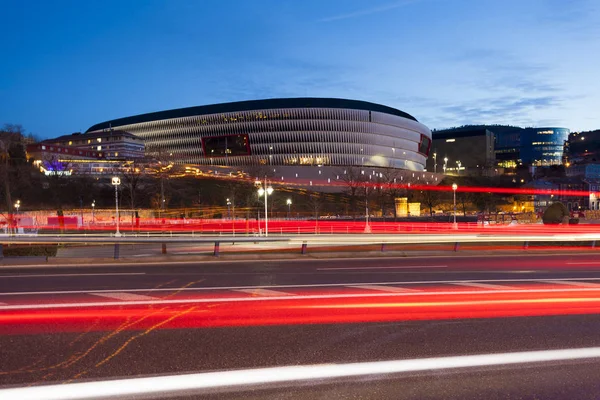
[67,65]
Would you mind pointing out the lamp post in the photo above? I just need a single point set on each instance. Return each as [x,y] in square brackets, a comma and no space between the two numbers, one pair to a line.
[17,206]
[445,164]
[266,192]
[228,208]
[289,204]
[435,163]
[93,211]
[116,181]
[454,187]
[458,163]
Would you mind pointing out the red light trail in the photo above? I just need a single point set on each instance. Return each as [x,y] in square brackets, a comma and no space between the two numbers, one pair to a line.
[322,308]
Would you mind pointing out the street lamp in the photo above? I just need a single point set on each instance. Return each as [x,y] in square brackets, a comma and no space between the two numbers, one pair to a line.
[116,181]
[228,208]
[434,163]
[445,164]
[18,205]
[289,204]
[458,169]
[93,211]
[454,187]
[268,191]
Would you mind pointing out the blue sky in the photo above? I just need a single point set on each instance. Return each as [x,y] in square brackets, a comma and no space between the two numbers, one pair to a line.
[69,64]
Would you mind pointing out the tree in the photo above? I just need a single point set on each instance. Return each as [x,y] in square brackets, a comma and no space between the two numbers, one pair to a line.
[12,160]
[431,198]
[132,172]
[354,182]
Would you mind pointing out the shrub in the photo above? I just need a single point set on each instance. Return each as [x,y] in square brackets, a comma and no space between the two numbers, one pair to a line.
[555,214]
[29,251]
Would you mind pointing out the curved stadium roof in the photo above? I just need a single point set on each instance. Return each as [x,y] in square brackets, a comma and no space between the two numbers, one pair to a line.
[249,105]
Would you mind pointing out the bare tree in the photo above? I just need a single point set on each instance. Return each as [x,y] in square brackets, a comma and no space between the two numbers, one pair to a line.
[12,153]
[132,172]
[354,182]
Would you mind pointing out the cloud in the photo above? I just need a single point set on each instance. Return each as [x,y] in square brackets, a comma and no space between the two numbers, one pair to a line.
[368,11]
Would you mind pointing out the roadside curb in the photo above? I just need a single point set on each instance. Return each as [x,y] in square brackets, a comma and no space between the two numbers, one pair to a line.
[14,263]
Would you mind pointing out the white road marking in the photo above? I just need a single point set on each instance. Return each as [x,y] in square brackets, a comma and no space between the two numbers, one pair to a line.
[61,275]
[124,296]
[583,262]
[482,285]
[263,292]
[205,382]
[573,283]
[382,288]
[400,267]
[287,297]
[314,285]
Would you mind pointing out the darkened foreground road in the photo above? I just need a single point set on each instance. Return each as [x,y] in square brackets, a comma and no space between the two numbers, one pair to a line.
[81,324]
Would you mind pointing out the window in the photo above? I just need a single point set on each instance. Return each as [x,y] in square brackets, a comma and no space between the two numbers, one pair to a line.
[424,145]
[223,146]
[99,148]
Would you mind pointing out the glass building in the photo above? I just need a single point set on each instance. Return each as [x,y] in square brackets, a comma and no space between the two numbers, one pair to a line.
[531,146]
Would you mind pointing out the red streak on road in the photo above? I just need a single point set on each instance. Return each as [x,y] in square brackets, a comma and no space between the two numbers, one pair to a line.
[441,306]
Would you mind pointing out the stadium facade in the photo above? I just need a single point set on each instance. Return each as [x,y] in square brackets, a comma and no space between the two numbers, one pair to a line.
[289,132]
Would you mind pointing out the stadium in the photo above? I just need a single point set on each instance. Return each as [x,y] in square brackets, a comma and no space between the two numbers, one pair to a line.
[294,137]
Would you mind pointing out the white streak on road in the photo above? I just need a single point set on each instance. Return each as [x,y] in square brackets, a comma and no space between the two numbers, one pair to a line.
[62,275]
[287,297]
[382,288]
[313,285]
[124,296]
[263,292]
[482,285]
[573,283]
[205,382]
[369,268]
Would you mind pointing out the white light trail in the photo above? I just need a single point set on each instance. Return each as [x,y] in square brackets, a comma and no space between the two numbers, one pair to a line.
[240,379]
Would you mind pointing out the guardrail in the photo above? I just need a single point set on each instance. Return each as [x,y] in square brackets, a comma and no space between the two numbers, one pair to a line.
[303,242]
[117,241]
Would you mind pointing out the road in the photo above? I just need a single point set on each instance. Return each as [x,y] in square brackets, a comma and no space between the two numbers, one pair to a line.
[67,324]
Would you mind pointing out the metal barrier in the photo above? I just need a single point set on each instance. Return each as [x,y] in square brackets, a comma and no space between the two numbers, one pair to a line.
[303,241]
[118,241]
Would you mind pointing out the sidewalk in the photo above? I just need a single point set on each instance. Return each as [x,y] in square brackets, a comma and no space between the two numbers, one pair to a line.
[271,256]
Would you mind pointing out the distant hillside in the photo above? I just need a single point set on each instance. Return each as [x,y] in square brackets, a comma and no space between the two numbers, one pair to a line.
[493,128]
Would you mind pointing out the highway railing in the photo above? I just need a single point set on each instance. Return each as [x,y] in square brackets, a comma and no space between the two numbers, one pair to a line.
[306,242]
[118,241]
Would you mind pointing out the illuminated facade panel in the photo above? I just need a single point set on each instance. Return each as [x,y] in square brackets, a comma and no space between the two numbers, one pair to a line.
[285,132]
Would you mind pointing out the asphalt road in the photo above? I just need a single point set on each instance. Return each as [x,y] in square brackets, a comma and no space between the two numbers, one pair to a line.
[95,350]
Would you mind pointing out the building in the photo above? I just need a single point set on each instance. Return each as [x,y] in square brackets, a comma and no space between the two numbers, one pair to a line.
[108,143]
[582,148]
[585,171]
[466,151]
[59,160]
[296,137]
[537,147]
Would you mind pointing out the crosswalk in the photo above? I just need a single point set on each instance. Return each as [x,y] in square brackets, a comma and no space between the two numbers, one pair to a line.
[124,296]
[16,300]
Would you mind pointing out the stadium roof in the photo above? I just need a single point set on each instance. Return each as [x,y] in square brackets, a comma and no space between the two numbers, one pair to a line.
[301,102]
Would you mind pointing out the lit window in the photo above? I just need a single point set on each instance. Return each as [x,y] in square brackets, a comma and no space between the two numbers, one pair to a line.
[99,148]
[89,141]
[70,143]
[116,154]
[450,140]
[99,140]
